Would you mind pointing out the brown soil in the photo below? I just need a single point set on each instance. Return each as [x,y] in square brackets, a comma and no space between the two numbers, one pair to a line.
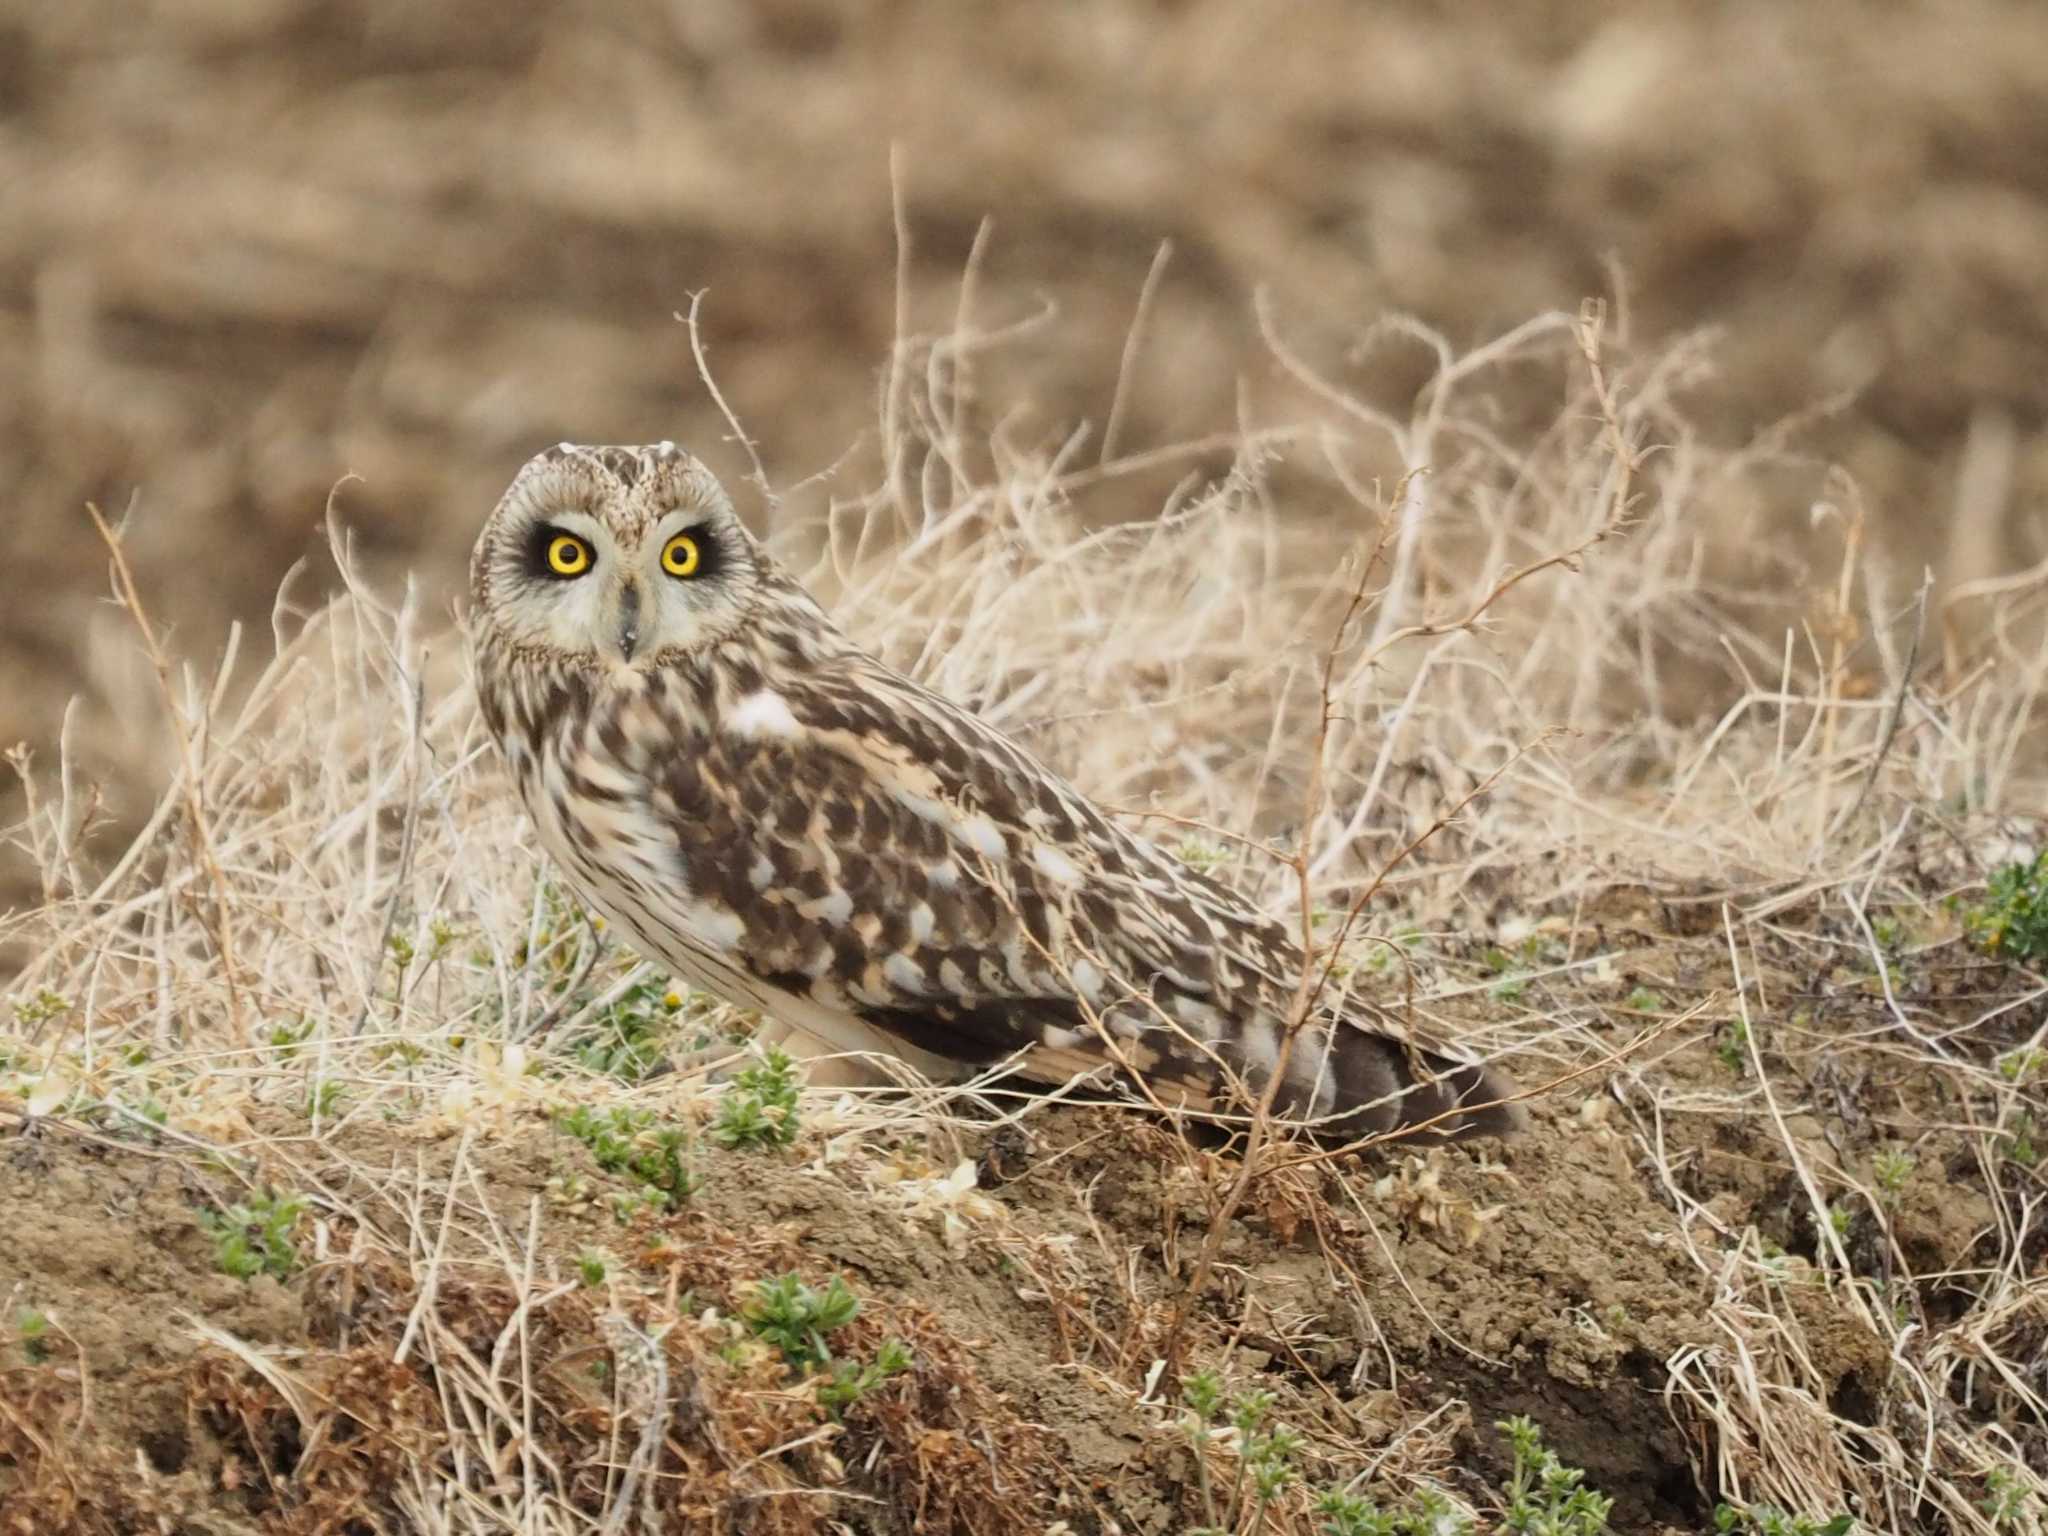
[1549,1276]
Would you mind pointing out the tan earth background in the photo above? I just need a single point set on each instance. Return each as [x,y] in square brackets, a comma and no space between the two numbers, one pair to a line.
[1707,821]
[252,248]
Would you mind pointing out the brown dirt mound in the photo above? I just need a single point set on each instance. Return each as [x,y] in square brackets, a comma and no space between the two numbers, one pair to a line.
[1396,1306]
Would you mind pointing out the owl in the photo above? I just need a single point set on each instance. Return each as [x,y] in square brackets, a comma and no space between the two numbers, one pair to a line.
[786,822]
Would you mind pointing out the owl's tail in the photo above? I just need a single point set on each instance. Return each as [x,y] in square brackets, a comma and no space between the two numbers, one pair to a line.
[1348,1079]
[1344,1078]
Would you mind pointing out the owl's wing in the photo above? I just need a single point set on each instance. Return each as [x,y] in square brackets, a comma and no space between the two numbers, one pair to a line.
[895,860]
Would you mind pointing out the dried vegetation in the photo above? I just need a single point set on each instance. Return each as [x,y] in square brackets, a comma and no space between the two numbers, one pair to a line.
[355,1182]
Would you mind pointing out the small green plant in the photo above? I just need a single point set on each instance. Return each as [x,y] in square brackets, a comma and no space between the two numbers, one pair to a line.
[441,937]
[592,1265]
[2019,1145]
[1840,1219]
[29,1012]
[323,1097]
[796,1318]
[1428,1514]
[628,1205]
[1546,1497]
[759,1110]
[1353,1514]
[1201,856]
[799,1319]
[2012,919]
[631,1141]
[1434,1515]
[287,1038]
[1266,1457]
[1893,1167]
[1643,1000]
[850,1382]
[628,1038]
[256,1238]
[406,1053]
[1504,964]
[1203,1394]
[1271,1457]
[32,1327]
[1733,1048]
[2020,1066]
[1765,1520]
[2006,1498]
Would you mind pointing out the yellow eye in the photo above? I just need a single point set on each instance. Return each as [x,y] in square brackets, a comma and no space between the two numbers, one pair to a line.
[568,555]
[679,556]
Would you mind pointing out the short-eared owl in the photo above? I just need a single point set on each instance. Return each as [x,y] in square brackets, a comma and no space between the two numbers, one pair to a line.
[786,822]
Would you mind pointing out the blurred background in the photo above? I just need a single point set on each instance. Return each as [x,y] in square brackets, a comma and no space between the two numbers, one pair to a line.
[248,247]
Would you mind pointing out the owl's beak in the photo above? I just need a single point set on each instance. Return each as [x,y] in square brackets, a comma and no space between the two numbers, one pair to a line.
[629,619]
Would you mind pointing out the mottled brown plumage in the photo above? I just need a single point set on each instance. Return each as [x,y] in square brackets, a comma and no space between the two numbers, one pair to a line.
[788,823]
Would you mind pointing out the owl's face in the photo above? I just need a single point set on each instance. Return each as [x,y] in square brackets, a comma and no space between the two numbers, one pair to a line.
[612,557]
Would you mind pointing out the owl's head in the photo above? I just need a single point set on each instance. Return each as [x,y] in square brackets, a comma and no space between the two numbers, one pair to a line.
[613,556]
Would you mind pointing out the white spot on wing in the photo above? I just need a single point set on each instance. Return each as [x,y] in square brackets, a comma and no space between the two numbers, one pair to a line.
[762,872]
[1017,965]
[922,805]
[980,834]
[944,875]
[976,831]
[921,920]
[1054,865]
[716,927]
[835,907]
[763,712]
[903,973]
[1260,1045]
[1203,1019]
[1087,979]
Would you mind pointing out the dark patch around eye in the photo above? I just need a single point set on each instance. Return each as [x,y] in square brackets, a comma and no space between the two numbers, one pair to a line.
[538,538]
[710,553]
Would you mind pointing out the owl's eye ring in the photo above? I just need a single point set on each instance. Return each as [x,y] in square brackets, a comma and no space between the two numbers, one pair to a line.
[568,555]
[680,556]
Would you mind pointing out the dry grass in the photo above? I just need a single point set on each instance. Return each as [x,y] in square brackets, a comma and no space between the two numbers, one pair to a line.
[331,964]
[254,247]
